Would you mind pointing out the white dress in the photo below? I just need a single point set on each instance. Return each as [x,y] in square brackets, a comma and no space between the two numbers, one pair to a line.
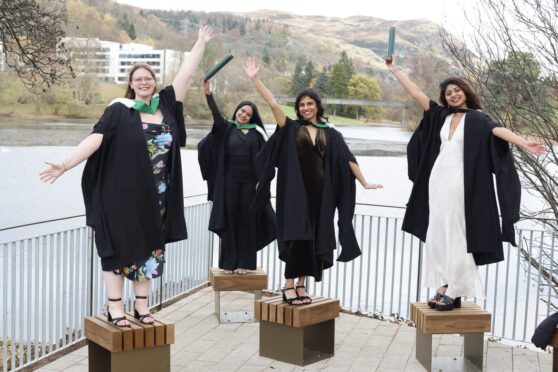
[446,260]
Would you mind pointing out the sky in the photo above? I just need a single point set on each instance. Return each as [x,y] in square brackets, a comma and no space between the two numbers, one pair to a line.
[438,11]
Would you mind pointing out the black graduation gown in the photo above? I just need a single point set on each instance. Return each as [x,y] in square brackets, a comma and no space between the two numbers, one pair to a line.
[212,157]
[121,200]
[292,203]
[484,155]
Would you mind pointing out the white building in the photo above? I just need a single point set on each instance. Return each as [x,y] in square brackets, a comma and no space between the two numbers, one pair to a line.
[111,61]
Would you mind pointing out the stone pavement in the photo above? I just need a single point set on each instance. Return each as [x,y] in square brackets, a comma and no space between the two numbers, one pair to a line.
[361,344]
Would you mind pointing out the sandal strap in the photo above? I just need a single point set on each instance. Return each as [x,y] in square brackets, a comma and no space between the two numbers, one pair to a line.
[301,286]
[115,321]
[288,289]
[115,299]
[148,315]
[141,297]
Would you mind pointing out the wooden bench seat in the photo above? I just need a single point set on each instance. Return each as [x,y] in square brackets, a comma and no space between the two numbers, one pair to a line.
[470,320]
[297,334]
[253,280]
[140,347]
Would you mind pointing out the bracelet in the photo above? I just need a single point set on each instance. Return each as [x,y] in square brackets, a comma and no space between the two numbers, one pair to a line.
[64,166]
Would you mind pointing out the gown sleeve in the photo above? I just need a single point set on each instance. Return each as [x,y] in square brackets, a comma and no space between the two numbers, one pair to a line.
[508,184]
[168,99]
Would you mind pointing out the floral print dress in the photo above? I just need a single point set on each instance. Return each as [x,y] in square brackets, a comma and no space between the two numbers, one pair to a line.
[159,140]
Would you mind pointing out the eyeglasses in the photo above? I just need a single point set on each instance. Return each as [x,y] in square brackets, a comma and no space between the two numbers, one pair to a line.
[144,79]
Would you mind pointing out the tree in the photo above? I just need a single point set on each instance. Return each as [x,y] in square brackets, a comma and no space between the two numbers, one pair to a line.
[322,82]
[510,55]
[339,77]
[266,58]
[362,86]
[30,32]
[298,81]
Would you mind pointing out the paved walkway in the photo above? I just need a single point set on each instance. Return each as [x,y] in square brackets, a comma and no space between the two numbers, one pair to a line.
[361,344]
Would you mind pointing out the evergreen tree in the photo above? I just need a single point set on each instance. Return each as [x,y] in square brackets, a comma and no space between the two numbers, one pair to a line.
[322,82]
[265,58]
[340,75]
[298,81]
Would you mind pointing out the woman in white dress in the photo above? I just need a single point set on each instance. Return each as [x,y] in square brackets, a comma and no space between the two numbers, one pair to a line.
[453,206]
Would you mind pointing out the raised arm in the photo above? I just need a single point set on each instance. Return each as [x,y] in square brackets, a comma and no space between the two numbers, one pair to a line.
[507,135]
[83,151]
[360,177]
[251,68]
[218,120]
[189,66]
[409,86]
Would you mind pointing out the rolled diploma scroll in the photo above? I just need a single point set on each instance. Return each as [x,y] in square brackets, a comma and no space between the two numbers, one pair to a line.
[209,74]
[391,44]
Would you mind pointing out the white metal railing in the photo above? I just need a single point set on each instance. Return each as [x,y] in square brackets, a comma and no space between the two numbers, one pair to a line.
[50,283]
[520,291]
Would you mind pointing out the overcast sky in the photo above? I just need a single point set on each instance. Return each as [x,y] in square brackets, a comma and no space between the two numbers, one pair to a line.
[439,11]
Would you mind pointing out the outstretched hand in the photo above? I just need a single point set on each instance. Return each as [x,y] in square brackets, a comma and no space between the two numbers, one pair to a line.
[369,186]
[206,86]
[535,148]
[206,33]
[251,68]
[53,171]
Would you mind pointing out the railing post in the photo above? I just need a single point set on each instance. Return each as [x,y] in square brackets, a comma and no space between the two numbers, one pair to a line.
[419,271]
[91,267]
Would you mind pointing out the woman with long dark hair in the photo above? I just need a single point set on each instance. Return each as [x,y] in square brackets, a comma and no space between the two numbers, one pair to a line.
[227,158]
[452,157]
[132,181]
[316,174]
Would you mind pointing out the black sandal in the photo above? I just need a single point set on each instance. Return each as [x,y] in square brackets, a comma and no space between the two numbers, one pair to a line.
[448,303]
[437,297]
[291,301]
[432,302]
[116,320]
[305,299]
[142,316]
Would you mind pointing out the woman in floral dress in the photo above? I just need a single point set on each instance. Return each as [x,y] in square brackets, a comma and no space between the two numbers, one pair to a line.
[132,181]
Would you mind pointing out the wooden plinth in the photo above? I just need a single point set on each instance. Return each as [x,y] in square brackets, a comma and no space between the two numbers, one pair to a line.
[299,335]
[140,347]
[470,320]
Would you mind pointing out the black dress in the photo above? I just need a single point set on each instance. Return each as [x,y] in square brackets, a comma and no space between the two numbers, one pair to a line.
[311,188]
[227,161]
[301,257]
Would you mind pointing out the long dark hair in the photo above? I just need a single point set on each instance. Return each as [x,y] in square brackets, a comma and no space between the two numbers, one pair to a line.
[471,98]
[129,91]
[255,119]
[309,92]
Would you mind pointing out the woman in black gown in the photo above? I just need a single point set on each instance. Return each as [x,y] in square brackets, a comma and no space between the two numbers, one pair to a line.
[227,158]
[316,173]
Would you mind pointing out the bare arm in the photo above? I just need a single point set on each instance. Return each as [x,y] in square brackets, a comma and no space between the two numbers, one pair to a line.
[189,66]
[252,69]
[507,135]
[83,151]
[360,177]
[409,86]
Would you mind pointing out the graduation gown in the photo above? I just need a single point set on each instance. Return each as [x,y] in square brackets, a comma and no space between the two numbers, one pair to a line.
[212,157]
[484,155]
[119,192]
[292,203]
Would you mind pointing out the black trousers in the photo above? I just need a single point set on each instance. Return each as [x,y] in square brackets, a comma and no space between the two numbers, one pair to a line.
[238,243]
